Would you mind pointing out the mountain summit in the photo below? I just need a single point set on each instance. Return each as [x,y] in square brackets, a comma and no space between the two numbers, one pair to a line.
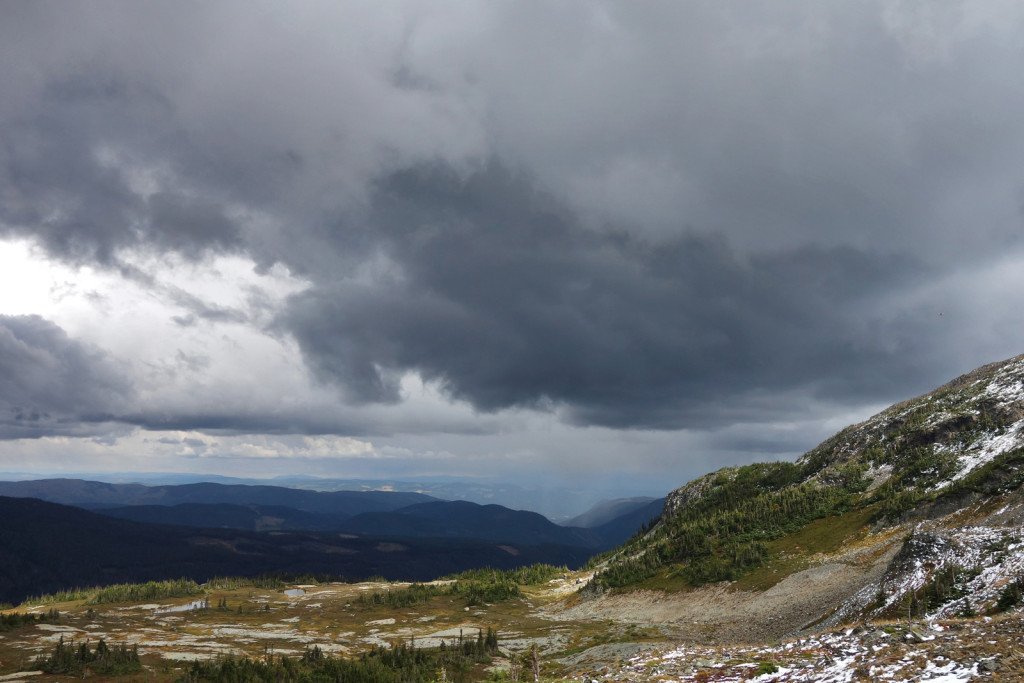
[928,443]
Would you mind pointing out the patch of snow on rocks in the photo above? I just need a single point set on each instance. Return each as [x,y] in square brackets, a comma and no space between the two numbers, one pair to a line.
[983,450]
[836,657]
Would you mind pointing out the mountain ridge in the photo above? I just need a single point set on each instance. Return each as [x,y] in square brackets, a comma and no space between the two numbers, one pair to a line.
[93,494]
[443,519]
[608,510]
[228,516]
[47,547]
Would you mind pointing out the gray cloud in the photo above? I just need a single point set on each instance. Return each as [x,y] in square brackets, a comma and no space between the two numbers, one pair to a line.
[192,362]
[197,309]
[234,420]
[501,297]
[50,383]
[181,224]
[71,173]
[647,216]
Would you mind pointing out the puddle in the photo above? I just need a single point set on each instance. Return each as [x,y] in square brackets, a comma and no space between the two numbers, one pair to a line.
[295,592]
[195,604]
[56,628]
[189,656]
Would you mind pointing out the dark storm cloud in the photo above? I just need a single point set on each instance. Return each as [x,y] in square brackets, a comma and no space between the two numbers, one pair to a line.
[56,191]
[70,170]
[181,224]
[50,383]
[239,420]
[504,300]
[711,206]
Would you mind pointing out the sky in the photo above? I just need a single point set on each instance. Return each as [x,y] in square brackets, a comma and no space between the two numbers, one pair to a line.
[596,244]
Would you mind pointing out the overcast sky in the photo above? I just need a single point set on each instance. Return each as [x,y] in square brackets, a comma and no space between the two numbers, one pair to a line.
[565,242]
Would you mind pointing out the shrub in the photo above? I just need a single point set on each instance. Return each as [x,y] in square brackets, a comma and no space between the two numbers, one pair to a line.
[1011,595]
[68,660]
[402,663]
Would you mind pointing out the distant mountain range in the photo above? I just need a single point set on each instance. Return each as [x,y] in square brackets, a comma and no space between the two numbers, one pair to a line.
[558,504]
[616,511]
[373,513]
[95,495]
[228,516]
[46,547]
[622,521]
[461,519]
[61,533]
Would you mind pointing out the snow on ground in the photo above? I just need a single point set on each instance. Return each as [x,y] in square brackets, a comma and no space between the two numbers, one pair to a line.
[982,450]
[1007,383]
[962,651]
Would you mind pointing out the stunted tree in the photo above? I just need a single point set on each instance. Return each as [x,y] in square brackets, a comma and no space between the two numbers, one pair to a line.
[515,667]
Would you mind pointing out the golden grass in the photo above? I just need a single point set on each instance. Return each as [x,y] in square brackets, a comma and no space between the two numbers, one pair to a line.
[796,552]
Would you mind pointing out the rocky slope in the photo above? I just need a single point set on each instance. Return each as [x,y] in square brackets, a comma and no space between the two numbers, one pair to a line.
[915,512]
[932,441]
[950,652]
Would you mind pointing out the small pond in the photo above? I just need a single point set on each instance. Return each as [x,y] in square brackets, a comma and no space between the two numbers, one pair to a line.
[195,604]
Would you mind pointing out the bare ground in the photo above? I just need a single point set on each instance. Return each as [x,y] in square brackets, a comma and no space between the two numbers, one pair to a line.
[720,614]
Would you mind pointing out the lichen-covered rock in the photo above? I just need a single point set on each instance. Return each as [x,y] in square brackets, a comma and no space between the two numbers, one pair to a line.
[684,495]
